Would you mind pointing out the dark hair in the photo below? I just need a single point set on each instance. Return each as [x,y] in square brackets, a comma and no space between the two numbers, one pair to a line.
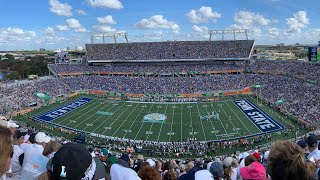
[249,159]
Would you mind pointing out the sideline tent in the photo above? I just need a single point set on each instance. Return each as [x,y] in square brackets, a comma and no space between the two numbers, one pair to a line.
[42,95]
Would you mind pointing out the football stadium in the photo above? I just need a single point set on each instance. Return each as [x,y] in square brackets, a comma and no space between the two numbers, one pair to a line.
[205,107]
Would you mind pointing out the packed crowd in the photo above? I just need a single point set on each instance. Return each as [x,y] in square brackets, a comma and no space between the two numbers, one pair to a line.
[295,68]
[302,99]
[170,50]
[143,68]
[29,155]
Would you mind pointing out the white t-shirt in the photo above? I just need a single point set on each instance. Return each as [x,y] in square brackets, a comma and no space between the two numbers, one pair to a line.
[34,163]
[15,164]
[234,173]
[118,172]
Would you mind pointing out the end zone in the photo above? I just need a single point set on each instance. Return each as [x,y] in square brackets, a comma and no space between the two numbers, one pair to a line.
[264,122]
[62,110]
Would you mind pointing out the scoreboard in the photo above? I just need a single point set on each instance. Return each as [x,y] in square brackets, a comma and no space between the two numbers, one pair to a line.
[312,54]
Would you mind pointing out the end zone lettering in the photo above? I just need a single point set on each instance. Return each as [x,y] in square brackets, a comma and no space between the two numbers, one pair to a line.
[62,110]
[263,121]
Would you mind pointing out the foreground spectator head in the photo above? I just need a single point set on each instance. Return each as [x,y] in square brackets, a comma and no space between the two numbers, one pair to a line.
[255,171]
[312,143]
[170,175]
[148,173]
[6,150]
[216,170]
[249,159]
[287,161]
[51,148]
[42,139]
[73,161]
[227,167]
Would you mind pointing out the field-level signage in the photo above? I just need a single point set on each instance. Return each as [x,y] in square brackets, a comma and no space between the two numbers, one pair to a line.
[62,110]
[263,121]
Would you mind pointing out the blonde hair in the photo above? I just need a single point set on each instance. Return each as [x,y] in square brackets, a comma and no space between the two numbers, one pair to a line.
[6,148]
[51,147]
[287,161]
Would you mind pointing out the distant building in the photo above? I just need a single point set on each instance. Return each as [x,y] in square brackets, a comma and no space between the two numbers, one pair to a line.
[68,48]
[318,43]
[42,49]
[280,45]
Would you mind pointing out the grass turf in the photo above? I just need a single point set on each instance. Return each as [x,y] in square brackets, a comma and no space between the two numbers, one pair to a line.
[182,120]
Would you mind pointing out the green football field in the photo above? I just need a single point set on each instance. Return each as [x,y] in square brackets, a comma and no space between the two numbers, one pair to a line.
[156,121]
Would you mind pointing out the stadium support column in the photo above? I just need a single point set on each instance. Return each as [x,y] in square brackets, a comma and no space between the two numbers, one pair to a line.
[246,34]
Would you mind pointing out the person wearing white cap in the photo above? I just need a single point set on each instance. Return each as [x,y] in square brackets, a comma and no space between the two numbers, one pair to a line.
[34,163]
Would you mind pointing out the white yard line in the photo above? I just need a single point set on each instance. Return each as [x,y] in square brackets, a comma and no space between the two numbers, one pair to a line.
[124,120]
[142,124]
[230,120]
[165,113]
[191,123]
[108,118]
[133,122]
[239,118]
[218,120]
[78,117]
[205,137]
[101,116]
[181,124]
[172,123]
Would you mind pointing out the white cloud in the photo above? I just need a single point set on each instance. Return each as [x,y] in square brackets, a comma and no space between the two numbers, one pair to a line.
[82,12]
[49,32]
[61,9]
[110,4]
[71,24]
[16,34]
[298,22]
[274,32]
[196,28]
[203,15]
[62,28]
[247,19]
[157,22]
[106,20]
[103,28]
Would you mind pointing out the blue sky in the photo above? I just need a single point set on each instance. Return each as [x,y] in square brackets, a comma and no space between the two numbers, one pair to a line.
[54,24]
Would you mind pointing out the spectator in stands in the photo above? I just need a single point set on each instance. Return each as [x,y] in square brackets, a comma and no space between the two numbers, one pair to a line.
[304,146]
[34,163]
[313,147]
[234,166]
[51,148]
[286,161]
[148,173]
[249,159]
[122,170]
[73,161]
[227,167]
[159,167]
[137,164]
[254,171]
[216,170]
[6,152]
[170,175]
[17,151]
